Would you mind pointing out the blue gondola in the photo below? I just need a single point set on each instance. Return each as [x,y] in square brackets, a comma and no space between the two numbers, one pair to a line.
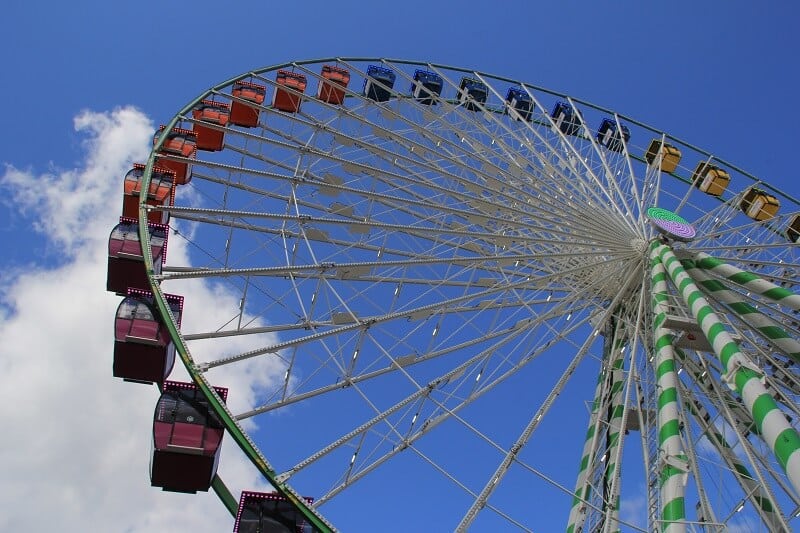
[427,86]
[566,119]
[379,83]
[472,92]
[609,135]
[521,102]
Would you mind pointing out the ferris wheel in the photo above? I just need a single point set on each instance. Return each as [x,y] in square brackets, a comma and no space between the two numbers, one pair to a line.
[469,303]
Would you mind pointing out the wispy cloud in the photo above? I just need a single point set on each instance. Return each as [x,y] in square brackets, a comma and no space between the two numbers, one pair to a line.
[76,441]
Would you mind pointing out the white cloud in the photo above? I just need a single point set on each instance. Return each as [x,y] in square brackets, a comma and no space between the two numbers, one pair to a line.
[633,510]
[746,525]
[76,441]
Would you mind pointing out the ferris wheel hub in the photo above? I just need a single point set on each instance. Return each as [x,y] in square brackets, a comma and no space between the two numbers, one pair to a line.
[639,245]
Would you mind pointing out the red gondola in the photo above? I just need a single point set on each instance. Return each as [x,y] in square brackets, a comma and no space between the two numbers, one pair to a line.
[283,99]
[243,114]
[179,142]
[186,439]
[143,350]
[160,193]
[269,511]
[332,86]
[125,261]
[217,113]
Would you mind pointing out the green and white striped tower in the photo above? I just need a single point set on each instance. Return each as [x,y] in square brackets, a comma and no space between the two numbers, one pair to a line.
[740,374]
[616,409]
[577,514]
[673,462]
[605,424]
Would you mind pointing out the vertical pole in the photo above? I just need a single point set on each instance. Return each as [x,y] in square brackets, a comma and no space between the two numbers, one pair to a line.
[577,515]
[771,423]
[616,409]
[674,464]
[605,424]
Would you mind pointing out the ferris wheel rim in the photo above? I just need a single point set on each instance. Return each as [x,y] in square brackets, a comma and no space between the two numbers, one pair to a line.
[197,372]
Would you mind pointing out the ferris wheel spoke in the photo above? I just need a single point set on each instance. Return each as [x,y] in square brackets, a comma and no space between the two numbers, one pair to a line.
[505,184]
[394,364]
[427,311]
[425,426]
[467,490]
[467,215]
[544,218]
[561,168]
[575,159]
[429,425]
[510,455]
[559,307]
[235,219]
[527,433]
[421,392]
[551,189]
[363,322]
[616,188]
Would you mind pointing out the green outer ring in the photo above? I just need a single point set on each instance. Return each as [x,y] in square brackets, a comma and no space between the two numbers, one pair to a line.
[231,425]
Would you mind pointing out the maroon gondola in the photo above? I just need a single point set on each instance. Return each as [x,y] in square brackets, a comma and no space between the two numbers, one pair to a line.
[213,113]
[179,143]
[244,114]
[125,261]
[261,512]
[161,193]
[186,439]
[143,350]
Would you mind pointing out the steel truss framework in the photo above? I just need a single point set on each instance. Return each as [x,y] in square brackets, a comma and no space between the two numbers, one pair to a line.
[436,300]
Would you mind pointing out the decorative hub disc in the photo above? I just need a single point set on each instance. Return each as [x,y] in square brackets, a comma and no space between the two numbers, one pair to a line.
[670,224]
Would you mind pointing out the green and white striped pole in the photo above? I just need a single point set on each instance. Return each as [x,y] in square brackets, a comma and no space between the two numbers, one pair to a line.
[577,515]
[615,412]
[771,423]
[748,280]
[768,328]
[674,464]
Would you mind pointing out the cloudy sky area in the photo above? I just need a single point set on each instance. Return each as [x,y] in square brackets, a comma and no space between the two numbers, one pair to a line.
[84,92]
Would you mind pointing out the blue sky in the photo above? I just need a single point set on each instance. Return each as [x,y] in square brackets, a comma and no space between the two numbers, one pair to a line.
[721,76]
[722,79]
